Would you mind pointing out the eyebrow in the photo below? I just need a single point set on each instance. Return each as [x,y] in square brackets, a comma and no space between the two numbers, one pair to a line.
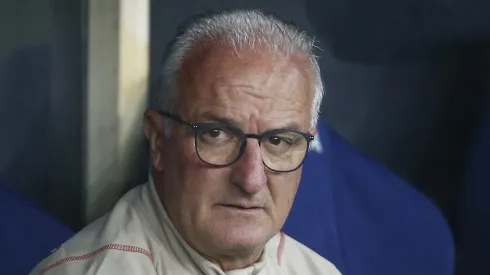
[291,126]
[210,116]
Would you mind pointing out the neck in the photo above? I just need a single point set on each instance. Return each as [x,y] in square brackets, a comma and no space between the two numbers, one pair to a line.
[238,261]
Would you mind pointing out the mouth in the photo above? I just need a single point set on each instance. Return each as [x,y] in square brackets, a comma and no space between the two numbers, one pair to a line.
[242,207]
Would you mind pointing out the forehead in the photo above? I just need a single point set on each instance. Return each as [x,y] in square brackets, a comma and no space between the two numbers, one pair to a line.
[247,84]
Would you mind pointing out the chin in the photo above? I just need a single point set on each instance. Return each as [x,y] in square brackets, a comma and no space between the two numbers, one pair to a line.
[241,236]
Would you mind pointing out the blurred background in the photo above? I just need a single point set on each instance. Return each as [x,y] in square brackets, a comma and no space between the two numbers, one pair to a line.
[75,77]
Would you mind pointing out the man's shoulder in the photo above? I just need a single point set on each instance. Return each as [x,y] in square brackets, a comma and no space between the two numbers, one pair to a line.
[99,259]
[297,256]
[118,235]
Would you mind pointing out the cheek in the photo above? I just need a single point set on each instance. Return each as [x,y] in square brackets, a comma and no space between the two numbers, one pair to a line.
[283,190]
[180,161]
[200,181]
[181,156]
[187,150]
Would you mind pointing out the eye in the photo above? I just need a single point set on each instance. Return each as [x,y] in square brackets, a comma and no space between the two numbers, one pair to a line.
[216,133]
[277,140]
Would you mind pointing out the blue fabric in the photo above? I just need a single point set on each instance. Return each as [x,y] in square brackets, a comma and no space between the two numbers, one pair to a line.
[475,216]
[27,234]
[363,218]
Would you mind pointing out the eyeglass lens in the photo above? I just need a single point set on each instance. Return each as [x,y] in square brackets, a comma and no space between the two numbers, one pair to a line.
[281,150]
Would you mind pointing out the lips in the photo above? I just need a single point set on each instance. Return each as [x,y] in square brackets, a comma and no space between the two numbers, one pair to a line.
[243,206]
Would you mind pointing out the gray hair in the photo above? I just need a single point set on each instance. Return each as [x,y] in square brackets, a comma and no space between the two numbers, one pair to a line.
[239,29]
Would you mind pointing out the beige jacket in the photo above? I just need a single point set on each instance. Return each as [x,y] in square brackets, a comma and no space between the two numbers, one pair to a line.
[137,237]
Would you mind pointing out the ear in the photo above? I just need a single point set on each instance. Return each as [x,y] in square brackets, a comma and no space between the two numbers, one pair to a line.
[313,131]
[154,129]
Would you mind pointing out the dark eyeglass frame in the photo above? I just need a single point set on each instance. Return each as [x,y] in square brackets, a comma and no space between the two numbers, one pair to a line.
[198,127]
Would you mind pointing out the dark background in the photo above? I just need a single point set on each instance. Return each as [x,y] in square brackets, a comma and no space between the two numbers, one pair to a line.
[404,84]
[41,76]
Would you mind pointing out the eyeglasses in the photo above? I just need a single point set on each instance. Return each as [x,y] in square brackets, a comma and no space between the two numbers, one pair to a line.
[220,144]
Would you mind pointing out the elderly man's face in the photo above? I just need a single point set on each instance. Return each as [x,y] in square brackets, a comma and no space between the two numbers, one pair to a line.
[256,92]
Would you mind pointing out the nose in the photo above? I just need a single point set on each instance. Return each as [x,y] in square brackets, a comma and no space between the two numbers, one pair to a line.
[248,172]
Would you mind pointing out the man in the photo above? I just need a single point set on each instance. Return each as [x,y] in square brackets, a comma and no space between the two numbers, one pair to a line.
[238,112]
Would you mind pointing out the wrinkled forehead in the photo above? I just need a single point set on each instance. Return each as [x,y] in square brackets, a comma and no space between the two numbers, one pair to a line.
[222,75]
